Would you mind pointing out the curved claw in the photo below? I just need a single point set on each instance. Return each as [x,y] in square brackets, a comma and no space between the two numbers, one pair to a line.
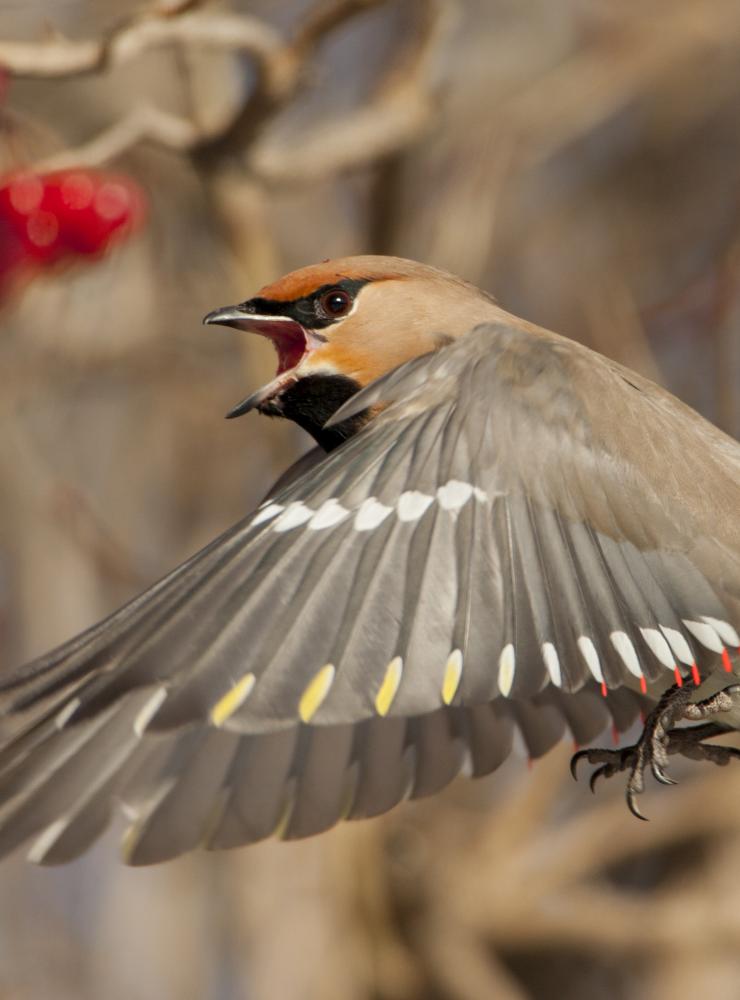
[574,762]
[660,775]
[632,805]
[600,772]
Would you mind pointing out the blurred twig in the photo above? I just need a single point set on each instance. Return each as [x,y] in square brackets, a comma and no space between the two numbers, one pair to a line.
[401,109]
[142,124]
[605,79]
[58,57]
[399,112]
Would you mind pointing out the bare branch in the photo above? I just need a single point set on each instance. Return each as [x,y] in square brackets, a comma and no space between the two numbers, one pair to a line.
[397,116]
[244,129]
[364,136]
[55,57]
[62,57]
[141,124]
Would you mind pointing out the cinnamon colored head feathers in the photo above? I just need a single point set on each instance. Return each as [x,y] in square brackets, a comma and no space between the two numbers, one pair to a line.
[339,325]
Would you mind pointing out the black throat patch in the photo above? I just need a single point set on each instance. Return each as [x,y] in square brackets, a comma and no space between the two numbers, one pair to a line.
[311,401]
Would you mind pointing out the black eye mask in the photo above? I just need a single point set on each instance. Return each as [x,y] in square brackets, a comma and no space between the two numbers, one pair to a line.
[308,311]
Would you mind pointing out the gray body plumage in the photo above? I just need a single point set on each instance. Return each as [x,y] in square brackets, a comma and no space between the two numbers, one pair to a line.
[523,524]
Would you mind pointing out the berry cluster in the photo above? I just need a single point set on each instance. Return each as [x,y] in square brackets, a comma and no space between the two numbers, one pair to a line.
[61,216]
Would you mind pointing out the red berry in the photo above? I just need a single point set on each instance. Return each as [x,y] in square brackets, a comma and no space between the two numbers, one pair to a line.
[62,215]
[25,192]
[92,208]
[112,202]
[42,231]
[77,190]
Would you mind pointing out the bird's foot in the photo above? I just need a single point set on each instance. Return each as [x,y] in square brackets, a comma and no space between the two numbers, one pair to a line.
[659,739]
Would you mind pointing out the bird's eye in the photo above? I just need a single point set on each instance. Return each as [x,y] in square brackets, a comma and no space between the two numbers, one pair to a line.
[336,302]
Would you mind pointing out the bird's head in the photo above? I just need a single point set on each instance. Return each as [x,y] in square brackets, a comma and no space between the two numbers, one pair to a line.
[339,325]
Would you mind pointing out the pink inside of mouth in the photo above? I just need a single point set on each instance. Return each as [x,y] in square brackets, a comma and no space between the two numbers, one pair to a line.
[290,352]
[289,340]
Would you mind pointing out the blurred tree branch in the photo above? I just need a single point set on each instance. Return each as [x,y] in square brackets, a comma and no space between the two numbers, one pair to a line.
[144,123]
[58,57]
[399,112]
[394,117]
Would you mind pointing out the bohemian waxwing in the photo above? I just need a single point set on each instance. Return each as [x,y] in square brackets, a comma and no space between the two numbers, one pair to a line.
[500,531]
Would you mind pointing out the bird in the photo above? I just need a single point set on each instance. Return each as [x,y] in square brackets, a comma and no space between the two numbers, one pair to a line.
[498,537]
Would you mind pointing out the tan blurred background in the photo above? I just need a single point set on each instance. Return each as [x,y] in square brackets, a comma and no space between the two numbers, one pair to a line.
[581,160]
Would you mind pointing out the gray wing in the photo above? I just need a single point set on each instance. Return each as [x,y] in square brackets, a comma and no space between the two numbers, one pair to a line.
[300,467]
[524,526]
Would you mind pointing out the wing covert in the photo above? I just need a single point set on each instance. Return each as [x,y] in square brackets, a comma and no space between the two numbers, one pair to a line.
[485,548]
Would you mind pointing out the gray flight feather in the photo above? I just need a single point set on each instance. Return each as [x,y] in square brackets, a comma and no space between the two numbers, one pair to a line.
[521,520]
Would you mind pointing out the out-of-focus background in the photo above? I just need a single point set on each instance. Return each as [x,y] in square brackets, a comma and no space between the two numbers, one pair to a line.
[579,159]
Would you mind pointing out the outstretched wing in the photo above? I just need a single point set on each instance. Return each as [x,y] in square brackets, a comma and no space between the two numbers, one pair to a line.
[523,524]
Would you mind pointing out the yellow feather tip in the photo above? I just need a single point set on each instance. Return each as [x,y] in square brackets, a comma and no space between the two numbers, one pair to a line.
[315,692]
[389,687]
[452,675]
[228,704]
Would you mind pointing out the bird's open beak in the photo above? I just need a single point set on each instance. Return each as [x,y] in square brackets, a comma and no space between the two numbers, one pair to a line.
[292,341]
